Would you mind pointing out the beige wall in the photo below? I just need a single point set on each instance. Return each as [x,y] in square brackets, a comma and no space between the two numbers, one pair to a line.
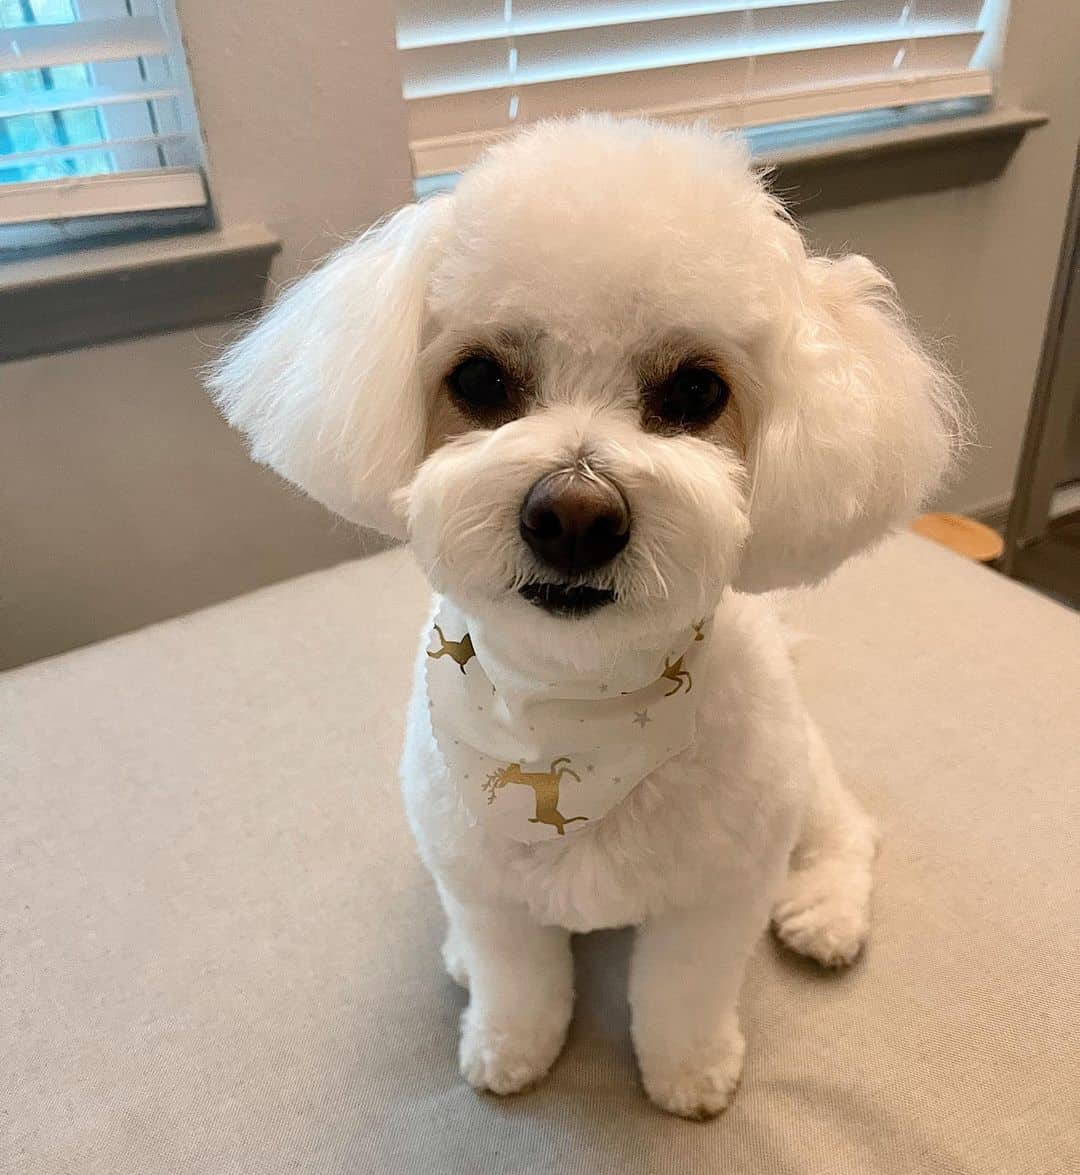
[123,499]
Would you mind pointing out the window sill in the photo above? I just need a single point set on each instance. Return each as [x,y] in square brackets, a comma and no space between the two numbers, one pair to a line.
[89,296]
[815,168]
[899,161]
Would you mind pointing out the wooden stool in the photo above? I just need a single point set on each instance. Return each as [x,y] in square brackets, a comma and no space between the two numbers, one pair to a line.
[963,535]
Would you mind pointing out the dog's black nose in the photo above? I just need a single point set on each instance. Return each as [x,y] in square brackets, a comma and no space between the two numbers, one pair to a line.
[575,520]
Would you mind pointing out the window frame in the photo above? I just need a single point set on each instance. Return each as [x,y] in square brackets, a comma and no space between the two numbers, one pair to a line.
[145,178]
[465,76]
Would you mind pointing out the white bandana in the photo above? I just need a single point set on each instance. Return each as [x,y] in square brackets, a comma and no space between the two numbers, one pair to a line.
[537,759]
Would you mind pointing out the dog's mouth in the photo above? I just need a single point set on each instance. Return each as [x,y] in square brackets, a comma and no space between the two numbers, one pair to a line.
[560,599]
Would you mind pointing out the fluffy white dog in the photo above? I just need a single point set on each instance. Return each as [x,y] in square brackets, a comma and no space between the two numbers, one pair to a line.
[607,396]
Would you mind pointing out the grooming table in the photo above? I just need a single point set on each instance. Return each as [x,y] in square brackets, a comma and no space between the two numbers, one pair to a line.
[219,952]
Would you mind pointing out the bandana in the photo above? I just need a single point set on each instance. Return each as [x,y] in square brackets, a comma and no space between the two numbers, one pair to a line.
[536,754]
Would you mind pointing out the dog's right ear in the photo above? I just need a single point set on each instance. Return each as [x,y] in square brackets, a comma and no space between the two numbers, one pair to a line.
[326,387]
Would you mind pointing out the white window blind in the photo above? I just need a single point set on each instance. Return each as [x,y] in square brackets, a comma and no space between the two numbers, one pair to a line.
[96,114]
[473,69]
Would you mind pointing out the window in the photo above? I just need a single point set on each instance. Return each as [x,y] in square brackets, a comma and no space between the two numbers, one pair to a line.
[97,125]
[473,69]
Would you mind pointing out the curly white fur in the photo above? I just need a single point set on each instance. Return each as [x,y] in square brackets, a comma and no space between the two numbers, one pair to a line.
[599,240]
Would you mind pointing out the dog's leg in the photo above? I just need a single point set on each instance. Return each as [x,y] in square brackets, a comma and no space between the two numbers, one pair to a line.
[824,905]
[521,993]
[684,982]
[453,953]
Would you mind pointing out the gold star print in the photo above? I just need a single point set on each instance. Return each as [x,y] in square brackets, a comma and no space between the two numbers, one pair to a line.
[641,717]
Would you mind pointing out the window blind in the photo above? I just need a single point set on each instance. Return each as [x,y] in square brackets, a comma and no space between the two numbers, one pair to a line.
[96,114]
[474,69]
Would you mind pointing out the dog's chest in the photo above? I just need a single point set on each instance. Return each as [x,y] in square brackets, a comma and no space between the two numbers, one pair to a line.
[645,856]
[708,824]
[710,821]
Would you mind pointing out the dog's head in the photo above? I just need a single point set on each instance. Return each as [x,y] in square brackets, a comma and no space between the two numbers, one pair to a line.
[597,384]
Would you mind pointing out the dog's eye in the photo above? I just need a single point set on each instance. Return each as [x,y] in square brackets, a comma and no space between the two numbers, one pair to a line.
[692,396]
[480,383]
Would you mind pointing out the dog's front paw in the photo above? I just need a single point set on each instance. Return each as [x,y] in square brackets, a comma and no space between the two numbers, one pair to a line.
[697,1086]
[823,914]
[507,1058]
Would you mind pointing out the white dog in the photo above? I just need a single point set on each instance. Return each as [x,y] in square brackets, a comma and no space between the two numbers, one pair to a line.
[607,396]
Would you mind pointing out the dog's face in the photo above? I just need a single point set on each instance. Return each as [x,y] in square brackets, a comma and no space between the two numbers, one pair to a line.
[598,384]
[599,480]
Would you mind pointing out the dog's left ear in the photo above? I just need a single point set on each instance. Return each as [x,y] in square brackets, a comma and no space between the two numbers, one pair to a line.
[861,427]
[326,386]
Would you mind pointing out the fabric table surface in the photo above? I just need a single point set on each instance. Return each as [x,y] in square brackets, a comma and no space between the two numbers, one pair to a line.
[219,952]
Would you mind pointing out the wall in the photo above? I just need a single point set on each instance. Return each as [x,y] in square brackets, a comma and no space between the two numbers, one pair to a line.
[1072,454]
[123,499]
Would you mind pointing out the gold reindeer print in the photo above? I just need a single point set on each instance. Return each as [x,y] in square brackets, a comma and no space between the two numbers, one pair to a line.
[462,651]
[697,626]
[677,673]
[545,785]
